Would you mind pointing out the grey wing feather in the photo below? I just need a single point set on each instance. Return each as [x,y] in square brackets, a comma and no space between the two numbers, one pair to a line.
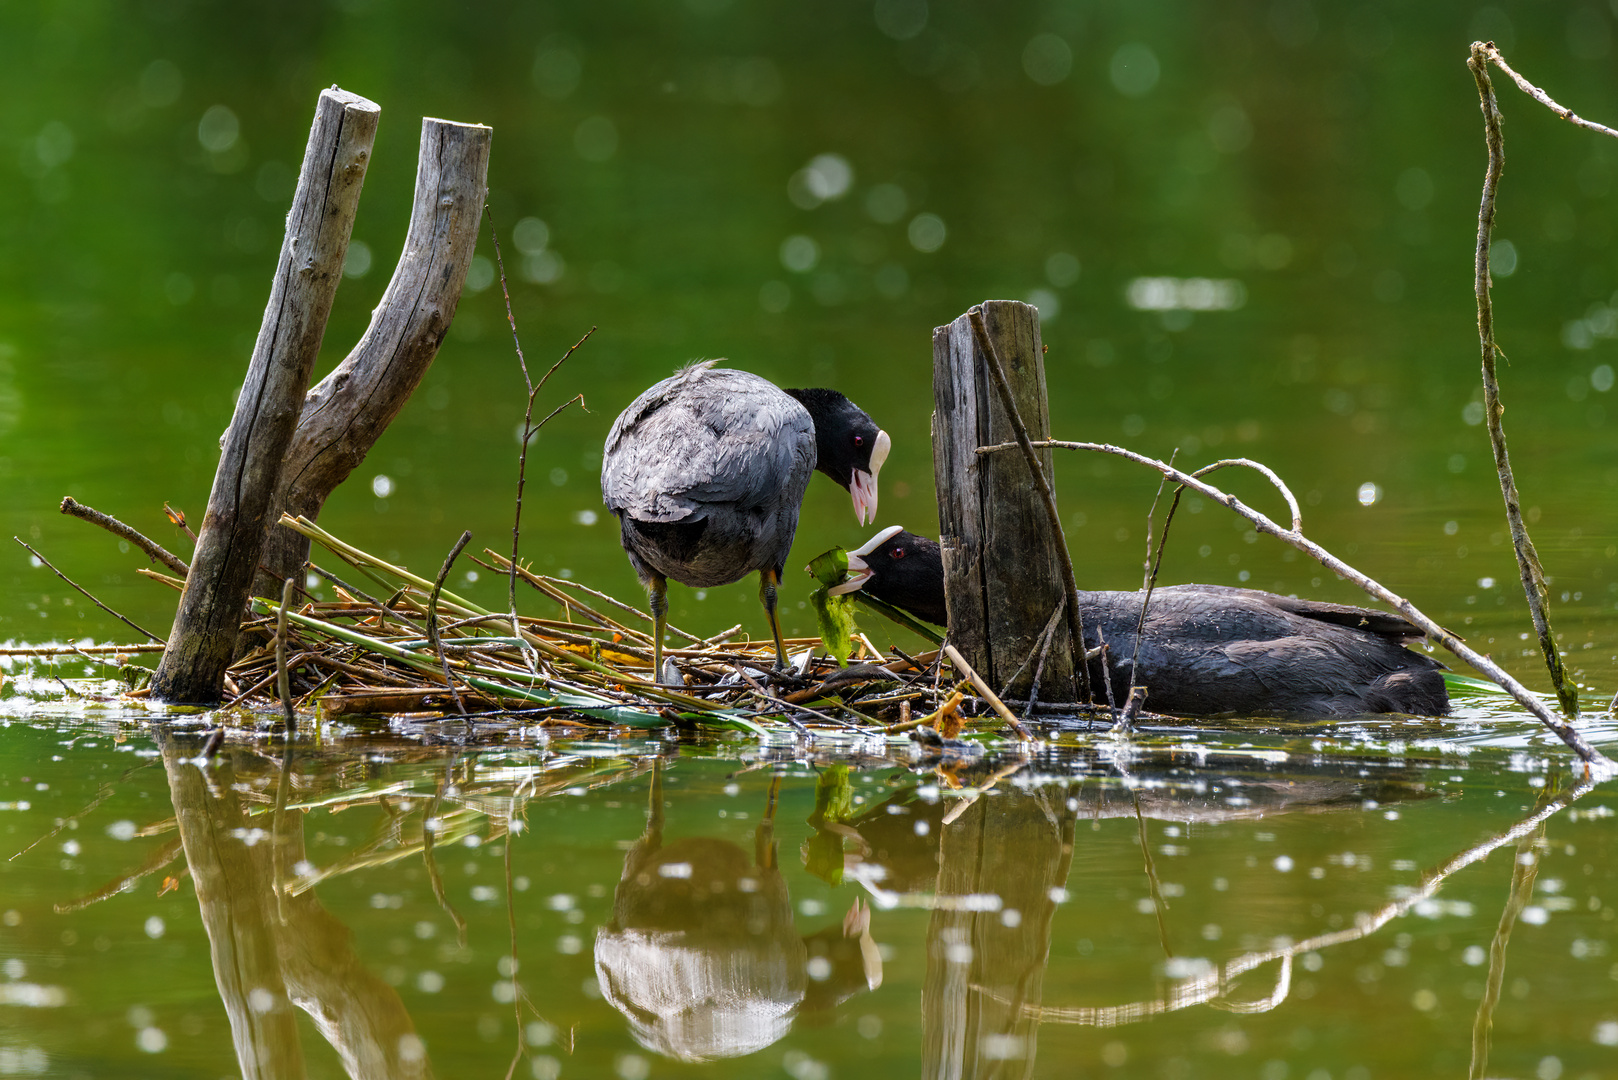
[706,436]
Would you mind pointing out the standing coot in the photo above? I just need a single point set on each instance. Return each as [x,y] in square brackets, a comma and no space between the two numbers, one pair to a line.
[1206,649]
[706,471]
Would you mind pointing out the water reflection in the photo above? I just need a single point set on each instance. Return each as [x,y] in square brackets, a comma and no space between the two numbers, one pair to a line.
[274,948]
[999,869]
[1212,889]
[702,955]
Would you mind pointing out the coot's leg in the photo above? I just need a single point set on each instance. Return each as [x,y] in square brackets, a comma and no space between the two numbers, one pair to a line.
[657,598]
[768,580]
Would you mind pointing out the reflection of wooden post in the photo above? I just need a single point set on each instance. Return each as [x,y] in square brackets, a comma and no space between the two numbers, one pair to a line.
[203,639]
[1002,574]
[230,877]
[348,411]
[986,969]
[271,951]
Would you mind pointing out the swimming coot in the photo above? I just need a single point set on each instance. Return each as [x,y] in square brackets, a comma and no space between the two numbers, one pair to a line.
[706,470]
[1206,649]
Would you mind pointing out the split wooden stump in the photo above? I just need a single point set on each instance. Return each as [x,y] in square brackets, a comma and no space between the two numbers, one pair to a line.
[284,451]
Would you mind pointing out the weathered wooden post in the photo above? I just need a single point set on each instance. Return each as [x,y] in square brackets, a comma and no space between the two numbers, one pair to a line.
[1005,570]
[203,638]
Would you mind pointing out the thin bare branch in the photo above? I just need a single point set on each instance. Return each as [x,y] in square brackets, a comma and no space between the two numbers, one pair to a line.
[432,618]
[1268,474]
[1599,763]
[153,550]
[1492,55]
[86,593]
[1529,569]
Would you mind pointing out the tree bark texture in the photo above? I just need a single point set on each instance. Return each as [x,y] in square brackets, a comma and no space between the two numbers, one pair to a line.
[347,412]
[1002,573]
[203,639]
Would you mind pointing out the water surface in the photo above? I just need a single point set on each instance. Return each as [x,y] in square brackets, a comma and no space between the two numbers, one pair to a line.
[1191,903]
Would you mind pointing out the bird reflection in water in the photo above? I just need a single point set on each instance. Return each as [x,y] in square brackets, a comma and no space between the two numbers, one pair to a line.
[702,955]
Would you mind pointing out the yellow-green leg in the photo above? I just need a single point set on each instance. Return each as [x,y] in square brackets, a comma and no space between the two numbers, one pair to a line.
[657,598]
[768,581]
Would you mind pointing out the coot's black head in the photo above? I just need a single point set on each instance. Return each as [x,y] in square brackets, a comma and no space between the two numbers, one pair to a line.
[849,446]
[901,568]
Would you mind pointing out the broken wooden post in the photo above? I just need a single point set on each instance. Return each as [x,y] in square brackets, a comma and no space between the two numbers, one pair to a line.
[1003,572]
[347,412]
[203,638]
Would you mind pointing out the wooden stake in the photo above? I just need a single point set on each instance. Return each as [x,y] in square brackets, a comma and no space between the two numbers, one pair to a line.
[203,639]
[1002,567]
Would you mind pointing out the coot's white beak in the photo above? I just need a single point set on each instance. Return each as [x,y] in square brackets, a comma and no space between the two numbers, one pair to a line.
[858,575]
[863,486]
[859,572]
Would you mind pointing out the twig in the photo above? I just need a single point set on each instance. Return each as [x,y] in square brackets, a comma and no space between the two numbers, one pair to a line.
[1075,619]
[177,519]
[341,584]
[1528,566]
[1039,665]
[430,823]
[1152,567]
[1492,55]
[432,618]
[135,626]
[1524,868]
[988,695]
[154,551]
[97,650]
[1106,672]
[1265,471]
[1133,706]
[1041,644]
[1600,763]
[283,683]
[517,995]
[528,415]
[529,429]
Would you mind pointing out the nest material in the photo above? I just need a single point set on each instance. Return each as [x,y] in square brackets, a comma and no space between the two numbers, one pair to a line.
[389,651]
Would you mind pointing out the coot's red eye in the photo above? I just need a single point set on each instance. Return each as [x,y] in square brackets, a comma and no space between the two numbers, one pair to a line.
[859,440]
[898,553]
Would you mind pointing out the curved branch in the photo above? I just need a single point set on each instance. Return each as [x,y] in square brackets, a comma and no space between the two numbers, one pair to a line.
[1599,763]
[1269,474]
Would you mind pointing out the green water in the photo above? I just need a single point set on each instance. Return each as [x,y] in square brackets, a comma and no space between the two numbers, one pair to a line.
[1285,904]
[1322,162]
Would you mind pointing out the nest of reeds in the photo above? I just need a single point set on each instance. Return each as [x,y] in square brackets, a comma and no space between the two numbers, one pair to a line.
[396,645]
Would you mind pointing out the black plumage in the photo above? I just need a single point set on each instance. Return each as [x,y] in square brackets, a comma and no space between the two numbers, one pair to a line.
[706,472]
[1207,649]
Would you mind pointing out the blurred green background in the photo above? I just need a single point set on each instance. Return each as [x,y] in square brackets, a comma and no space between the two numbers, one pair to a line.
[807,190]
